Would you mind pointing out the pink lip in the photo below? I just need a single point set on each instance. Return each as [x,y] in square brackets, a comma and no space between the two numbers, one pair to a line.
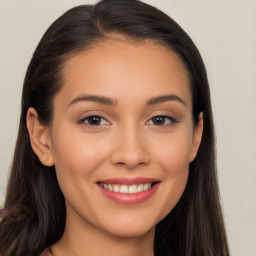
[129,199]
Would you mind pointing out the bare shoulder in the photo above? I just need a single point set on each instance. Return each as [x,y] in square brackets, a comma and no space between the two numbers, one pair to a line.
[46,253]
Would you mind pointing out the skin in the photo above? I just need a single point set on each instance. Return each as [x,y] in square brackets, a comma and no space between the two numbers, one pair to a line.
[127,142]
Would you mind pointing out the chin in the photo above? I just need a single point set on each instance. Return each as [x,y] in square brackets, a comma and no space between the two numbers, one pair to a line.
[131,232]
[126,227]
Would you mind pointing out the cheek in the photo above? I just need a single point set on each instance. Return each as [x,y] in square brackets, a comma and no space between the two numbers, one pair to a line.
[76,158]
[173,158]
[173,152]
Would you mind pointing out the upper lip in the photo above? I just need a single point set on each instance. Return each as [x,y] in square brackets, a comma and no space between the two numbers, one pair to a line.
[129,180]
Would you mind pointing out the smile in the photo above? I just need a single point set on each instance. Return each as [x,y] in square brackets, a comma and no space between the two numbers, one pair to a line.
[128,189]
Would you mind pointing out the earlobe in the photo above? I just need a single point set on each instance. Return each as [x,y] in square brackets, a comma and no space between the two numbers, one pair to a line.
[39,138]
[198,132]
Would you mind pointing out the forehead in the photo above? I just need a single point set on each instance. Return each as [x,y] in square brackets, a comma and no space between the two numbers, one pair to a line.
[125,69]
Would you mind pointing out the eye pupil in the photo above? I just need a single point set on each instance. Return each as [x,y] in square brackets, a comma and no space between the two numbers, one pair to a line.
[159,120]
[94,120]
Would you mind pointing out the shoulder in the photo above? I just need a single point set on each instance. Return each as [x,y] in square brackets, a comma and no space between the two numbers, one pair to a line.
[46,253]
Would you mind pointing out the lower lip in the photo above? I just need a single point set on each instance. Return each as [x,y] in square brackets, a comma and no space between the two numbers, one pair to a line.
[129,199]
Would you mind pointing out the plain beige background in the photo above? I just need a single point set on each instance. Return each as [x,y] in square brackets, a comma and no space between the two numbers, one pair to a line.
[224,31]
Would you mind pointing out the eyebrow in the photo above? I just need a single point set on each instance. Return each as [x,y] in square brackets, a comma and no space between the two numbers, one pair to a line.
[110,102]
[164,98]
[94,98]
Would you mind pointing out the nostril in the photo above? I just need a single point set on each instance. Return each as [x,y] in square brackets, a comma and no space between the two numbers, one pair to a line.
[129,157]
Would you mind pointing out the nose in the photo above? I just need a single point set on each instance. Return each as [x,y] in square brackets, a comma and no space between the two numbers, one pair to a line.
[130,149]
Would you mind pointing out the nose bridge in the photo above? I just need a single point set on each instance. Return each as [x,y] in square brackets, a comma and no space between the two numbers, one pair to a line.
[130,149]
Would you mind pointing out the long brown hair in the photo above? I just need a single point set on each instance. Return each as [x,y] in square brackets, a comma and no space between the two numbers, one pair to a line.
[34,201]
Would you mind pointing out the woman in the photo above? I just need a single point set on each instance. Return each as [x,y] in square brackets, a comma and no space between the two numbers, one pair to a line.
[115,152]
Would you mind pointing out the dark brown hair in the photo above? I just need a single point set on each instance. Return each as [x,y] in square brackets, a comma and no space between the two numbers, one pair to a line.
[34,201]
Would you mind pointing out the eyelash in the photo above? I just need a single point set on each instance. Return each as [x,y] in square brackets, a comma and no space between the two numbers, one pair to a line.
[171,119]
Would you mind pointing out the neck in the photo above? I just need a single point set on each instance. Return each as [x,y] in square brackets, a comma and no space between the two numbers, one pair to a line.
[82,238]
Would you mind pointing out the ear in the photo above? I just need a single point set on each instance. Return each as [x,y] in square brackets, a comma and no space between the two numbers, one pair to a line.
[198,132]
[39,138]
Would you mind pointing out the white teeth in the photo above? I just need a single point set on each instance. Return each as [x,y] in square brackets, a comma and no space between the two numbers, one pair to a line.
[128,189]
[133,189]
[116,188]
[145,187]
[140,188]
[109,187]
[124,189]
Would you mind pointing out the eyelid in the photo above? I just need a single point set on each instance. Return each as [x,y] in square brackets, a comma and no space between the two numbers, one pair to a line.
[172,119]
[82,120]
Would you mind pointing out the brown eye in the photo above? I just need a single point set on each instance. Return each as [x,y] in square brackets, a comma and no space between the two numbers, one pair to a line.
[162,120]
[159,120]
[94,120]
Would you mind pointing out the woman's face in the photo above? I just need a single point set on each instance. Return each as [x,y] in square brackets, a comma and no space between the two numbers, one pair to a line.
[122,136]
